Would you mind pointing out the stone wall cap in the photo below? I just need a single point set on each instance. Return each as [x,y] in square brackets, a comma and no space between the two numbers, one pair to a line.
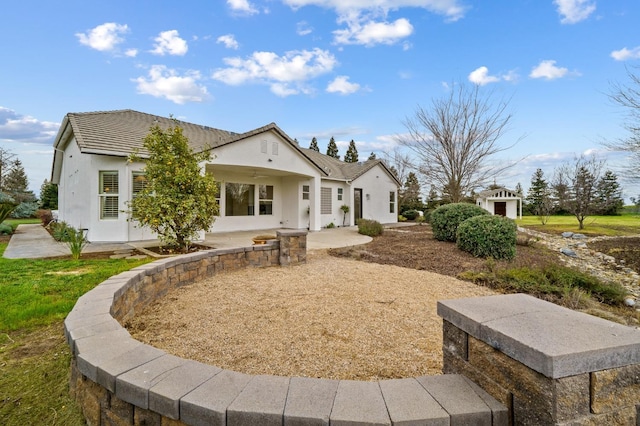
[550,339]
[291,232]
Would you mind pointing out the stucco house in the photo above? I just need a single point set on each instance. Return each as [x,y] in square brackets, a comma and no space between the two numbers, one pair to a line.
[501,201]
[266,179]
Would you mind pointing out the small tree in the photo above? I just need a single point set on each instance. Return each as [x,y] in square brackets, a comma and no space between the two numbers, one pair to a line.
[48,195]
[352,153]
[628,97]
[456,139]
[539,197]
[409,197]
[372,156]
[314,144]
[609,194]
[178,201]
[581,178]
[332,149]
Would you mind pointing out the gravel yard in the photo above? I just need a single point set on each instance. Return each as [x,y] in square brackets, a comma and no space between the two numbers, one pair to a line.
[333,318]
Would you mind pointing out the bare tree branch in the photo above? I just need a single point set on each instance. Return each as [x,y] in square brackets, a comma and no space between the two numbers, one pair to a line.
[454,140]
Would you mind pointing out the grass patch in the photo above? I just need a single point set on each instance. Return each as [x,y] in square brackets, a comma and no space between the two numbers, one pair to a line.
[35,297]
[552,282]
[594,225]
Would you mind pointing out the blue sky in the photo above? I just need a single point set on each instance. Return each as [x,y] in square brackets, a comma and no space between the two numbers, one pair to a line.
[352,69]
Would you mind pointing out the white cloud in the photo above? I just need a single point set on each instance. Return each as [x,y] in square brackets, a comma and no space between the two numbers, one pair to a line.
[104,37]
[451,9]
[547,69]
[132,53]
[169,42]
[242,6]
[285,74]
[303,28]
[163,82]
[625,54]
[480,76]
[573,11]
[342,86]
[371,33]
[229,41]
[19,128]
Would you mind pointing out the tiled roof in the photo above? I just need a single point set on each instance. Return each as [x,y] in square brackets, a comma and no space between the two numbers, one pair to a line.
[338,169]
[122,132]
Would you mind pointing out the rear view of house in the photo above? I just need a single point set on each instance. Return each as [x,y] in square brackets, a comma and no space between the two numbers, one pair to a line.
[265,179]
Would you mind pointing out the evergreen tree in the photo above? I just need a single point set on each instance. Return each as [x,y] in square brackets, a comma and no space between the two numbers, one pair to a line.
[49,196]
[539,196]
[372,156]
[314,145]
[16,184]
[332,149]
[352,153]
[609,194]
[410,194]
[519,190]
[433,198]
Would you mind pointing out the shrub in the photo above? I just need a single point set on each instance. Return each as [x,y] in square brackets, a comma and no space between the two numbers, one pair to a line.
[488,236]
[76,242]
[61,231]
[331,225]
[446,219]
[45,216]
[411,214]
[25,210]
[369,227]
[401,218]
[5,229]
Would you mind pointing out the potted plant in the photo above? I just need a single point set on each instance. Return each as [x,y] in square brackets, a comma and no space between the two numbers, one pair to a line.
[345,210]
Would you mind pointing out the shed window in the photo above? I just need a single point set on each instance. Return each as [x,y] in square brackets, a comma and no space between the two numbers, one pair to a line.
[305,192]
[392,202]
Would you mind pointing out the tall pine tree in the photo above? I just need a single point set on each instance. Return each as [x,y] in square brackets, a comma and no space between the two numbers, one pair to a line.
[332,149]
[352,153]
[609,194]
[314,145]
[538,193]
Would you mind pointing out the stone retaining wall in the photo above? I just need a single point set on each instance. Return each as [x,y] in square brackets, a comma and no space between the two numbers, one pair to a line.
[549,365]
[509,359]
[120,381]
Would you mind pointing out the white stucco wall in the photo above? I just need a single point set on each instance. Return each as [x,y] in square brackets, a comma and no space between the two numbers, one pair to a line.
[512,206]
[376,185]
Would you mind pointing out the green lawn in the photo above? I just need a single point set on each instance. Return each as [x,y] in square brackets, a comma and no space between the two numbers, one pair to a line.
[35,297]
[627,224]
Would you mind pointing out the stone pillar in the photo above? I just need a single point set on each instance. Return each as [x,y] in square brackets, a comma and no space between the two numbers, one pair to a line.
[293,246]
[548,364]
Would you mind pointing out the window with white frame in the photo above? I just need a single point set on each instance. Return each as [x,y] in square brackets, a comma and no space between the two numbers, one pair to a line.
[218,189]
[138,183]
[266,199]
[325,200]
[339,194]
[239,199]
[108,192]
[392,202]
[305,192]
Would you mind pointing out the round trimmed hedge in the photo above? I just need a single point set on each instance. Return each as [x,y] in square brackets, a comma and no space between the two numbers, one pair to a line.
[488,236]
[446,219]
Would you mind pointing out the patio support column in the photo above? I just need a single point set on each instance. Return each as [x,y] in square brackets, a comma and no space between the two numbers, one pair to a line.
[314,202]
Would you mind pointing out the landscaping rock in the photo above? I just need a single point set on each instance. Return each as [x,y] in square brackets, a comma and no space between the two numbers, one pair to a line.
[568,252]
[567,234]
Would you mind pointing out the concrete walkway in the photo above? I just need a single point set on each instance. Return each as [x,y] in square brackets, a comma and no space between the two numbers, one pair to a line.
[32,241]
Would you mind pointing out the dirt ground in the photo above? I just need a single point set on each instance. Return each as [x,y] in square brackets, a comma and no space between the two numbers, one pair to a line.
[335,317]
